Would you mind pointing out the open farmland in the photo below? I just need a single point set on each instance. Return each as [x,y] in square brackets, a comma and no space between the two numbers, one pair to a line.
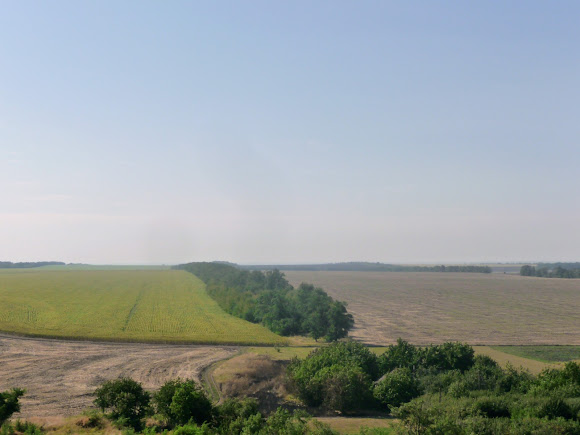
[121,305]
[59,376]
[426,308]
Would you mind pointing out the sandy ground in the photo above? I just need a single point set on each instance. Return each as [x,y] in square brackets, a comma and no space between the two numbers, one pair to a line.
[59,376]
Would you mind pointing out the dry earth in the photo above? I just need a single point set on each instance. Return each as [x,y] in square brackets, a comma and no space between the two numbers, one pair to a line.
[424,308]
[59,376]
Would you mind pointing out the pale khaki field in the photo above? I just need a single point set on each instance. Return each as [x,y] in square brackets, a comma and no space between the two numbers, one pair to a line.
[425,308]
[120,305]
[60,376]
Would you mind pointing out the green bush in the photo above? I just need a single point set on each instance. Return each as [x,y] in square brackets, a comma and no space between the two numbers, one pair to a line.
[491,407]
[399,355]
[312,378]
[9,403]
[555,407]
[20,427]
[396,388]
[180,401]
[344,388]
[232,415]
[126,401]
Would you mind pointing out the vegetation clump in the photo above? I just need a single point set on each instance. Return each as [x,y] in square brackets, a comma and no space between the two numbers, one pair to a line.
[552,270]
[269,299]
[9,403]
[181,401]
[185,410]
[441,389]
[125,400]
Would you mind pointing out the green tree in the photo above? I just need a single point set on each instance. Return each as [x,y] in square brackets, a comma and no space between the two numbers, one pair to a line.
[9,403]
[527,270]
[180,401]
[345,388]
[401,354]
[396,388]
[313,377]
[126,401]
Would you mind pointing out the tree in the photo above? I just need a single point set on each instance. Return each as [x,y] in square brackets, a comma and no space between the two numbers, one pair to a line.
[9,403]
[401,354]
[527,270]
[181,401]
[339,321]
[345,388]
[126,400]
[323,370]
[396,388]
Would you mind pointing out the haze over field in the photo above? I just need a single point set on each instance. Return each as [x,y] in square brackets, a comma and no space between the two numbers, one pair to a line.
[266,132]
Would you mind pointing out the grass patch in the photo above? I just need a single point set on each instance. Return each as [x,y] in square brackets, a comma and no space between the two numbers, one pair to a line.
[547,354]
[352,425]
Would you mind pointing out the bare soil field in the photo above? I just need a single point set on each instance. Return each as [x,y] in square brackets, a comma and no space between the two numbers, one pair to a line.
[59,376]
[425,308]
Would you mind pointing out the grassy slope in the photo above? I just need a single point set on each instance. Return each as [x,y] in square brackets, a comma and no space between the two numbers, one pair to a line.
[124,305]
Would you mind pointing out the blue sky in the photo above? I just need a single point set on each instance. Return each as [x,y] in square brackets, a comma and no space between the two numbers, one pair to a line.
[288,132]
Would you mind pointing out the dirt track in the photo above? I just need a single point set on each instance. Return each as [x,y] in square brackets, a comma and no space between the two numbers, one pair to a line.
[59,376]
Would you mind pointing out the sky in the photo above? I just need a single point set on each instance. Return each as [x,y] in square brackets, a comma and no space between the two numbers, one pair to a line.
[260,132]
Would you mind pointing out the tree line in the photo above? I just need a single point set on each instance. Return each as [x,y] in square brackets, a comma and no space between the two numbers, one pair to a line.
[269,299]
[179,407]
[555,270]
[442,389]
[374,267]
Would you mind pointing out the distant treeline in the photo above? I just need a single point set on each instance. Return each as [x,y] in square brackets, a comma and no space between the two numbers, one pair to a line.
[10,265]
[269,299]
[552,270]
[562,265]
[373,267]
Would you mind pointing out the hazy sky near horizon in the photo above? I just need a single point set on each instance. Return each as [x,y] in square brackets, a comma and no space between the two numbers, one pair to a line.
[289,132]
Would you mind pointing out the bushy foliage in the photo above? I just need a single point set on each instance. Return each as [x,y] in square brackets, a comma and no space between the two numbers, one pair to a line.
[180,401]
[337,376]
[396,387]
[443,357]
[233,415]
[487,399]
[448,356]
[126,401]
[20,427]
[400,355]
[269,299]
[9,403]
[552,270]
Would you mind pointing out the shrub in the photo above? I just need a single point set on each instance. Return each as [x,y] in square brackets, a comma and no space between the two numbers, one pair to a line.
[344,388]
[396,388]
[126,400]
[304,375]
[181,401]
[491,407]
[9,403]
[399,355]
[448,356]
[231,416]
[555,407]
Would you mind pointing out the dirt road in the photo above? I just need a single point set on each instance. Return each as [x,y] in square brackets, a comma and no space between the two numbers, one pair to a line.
[59,376]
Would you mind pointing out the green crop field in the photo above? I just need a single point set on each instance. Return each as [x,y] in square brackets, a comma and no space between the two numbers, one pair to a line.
[424,308]
[548,354]
[122,305]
